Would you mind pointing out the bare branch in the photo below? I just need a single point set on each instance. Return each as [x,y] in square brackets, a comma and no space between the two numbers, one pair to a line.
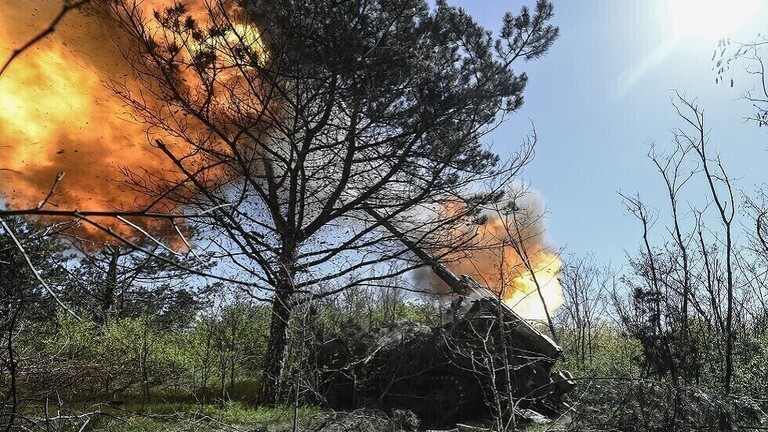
[56,182]
[66,7]
[34,270]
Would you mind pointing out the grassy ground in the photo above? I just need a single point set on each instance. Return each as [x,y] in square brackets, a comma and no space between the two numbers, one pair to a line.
[177,417]
[231,417]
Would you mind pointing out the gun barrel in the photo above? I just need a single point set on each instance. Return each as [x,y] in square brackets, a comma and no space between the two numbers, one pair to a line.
[471,289]
[440,270]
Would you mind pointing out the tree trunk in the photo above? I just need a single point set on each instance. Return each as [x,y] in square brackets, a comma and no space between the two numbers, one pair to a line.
[274,361]
[110,285]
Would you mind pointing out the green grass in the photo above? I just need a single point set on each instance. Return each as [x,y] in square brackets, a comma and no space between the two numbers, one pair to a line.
[177,417]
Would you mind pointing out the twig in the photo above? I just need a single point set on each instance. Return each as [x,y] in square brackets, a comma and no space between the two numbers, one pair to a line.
[148,235]
[99,213]
[65,8]
[204,417]
[59,176]
[186,243]
[87,420]
[216,208]
[35,272]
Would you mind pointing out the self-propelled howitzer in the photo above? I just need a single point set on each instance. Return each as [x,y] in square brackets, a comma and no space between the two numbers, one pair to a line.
[485,356]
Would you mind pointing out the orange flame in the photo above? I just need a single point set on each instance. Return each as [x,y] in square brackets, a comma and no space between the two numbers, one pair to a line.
[509,254]
[57,114]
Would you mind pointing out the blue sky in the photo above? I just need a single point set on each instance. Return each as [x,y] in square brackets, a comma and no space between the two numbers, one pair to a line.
[602,95]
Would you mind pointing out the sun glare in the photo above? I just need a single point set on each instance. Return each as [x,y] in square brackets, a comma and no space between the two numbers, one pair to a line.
[709,19]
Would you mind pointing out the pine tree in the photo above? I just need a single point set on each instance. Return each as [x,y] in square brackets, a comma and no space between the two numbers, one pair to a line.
[330,109]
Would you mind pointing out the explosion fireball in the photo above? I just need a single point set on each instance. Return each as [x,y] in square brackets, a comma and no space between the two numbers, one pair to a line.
[510,254]
[60,112]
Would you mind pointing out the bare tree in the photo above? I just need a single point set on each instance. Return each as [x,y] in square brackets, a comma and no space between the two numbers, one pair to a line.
[585,288]
[722,195]
[692,279]
[645,316]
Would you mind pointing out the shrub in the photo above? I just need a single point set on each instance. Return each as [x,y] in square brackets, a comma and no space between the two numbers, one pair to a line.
[644,405]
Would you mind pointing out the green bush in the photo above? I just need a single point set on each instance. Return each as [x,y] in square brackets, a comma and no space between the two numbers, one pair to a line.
[610,354]
[135,358]
[645,405]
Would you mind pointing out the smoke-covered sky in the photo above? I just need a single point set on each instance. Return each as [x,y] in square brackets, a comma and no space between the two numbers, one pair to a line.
[602,96]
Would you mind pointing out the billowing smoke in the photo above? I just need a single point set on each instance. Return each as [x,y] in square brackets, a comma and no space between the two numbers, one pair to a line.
[511,254]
